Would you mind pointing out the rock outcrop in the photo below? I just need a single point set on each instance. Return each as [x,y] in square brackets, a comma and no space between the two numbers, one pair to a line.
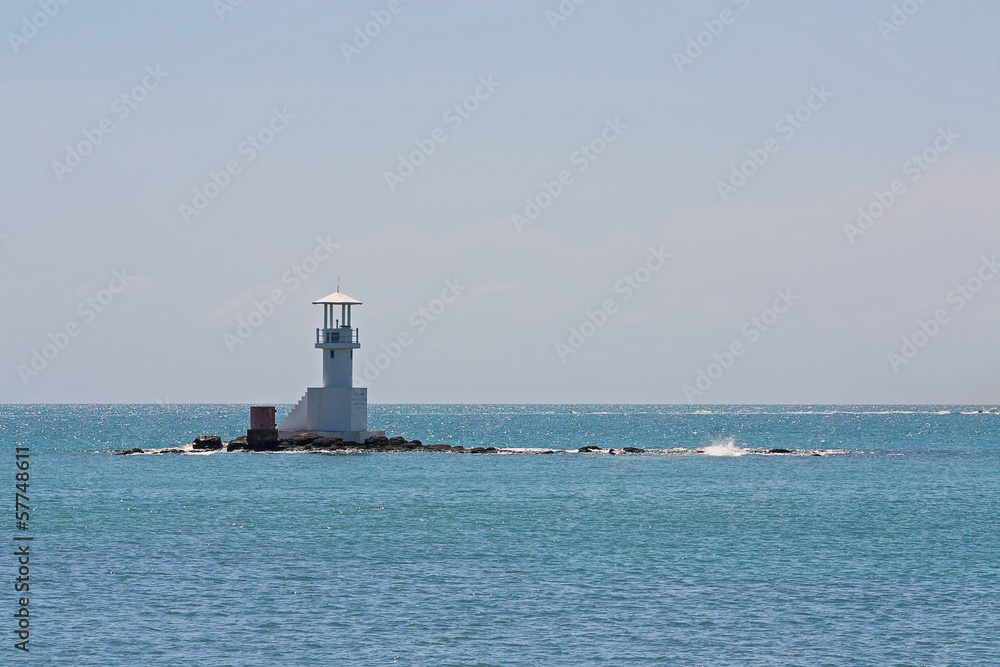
[237,444]
[207,443]
[264,441]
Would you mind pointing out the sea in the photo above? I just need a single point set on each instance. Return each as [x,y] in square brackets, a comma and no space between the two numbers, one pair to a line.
[874,541]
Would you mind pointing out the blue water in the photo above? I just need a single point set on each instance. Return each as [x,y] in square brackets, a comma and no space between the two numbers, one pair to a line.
[884,550]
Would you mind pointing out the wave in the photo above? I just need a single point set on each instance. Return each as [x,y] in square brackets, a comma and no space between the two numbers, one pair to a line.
[723,449]
[181,449]
[855,412]
[726,447]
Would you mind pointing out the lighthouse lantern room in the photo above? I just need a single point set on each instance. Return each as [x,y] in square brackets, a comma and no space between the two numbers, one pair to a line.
[338,408]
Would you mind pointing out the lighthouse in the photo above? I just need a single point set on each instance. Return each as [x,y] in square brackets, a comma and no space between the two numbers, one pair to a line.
[338,409]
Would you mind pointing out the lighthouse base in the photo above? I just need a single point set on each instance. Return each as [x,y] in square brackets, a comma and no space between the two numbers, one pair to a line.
[335,410]
[347,436]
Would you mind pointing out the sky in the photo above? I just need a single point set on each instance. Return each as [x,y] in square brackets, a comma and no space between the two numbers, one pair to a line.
[536,202]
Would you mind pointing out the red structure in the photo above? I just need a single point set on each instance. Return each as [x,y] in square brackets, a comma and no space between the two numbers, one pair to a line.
[262,418]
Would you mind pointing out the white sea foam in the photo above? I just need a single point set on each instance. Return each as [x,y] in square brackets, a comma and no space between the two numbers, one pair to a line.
[720,447]
[724,447]
[183,449]
[848,412]
[533,450]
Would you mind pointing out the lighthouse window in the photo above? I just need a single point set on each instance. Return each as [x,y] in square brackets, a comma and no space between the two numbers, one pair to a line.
[331,354]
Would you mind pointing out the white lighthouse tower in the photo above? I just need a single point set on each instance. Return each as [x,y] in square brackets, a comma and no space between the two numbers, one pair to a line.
[337,409]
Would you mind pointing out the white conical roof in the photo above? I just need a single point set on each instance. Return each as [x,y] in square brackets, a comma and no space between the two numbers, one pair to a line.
[339,299]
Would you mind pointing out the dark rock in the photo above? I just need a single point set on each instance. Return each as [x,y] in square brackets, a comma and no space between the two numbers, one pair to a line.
[207,443]
[126,452]
[477,450]
[266,440]
[634,450]
[589,448]
[547,451]
[460,449]
[612,452]
[491,450]
[237,445]
[313,442]
[324,443]
[779,451]
[172,451]
[299,439]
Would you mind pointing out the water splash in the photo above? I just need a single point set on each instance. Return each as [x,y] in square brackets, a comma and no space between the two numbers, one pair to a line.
[724,447]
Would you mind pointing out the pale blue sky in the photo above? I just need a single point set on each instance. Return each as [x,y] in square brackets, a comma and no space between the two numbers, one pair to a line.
[164,336]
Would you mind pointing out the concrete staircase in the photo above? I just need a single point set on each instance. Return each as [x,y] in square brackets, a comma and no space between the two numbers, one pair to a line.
[298,418]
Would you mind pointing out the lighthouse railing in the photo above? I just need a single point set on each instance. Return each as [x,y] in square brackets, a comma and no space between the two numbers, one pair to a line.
[338,335]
